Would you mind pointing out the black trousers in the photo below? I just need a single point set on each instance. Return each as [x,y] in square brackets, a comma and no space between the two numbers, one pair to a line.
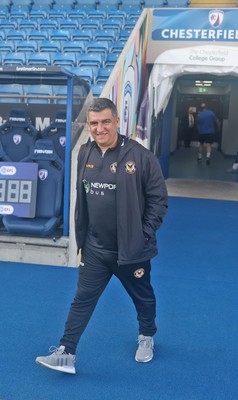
[96,270]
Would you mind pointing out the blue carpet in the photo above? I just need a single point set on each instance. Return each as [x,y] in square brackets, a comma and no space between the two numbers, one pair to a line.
[195,280]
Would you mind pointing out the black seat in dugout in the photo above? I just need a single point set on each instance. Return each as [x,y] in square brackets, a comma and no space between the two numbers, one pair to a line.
[56,131]
[49,199]
[17,135]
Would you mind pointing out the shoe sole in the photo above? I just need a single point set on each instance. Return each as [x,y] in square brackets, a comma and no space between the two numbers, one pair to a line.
[67,370]
[144,360]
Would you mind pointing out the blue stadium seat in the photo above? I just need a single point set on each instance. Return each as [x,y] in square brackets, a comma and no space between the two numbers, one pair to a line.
[103,74]
[49,186]
[39,58]
[38,35]
[86,72]
[7,46]
[77,14]
[4,11]
[27,45]
[109,35]
[69,23]
[82,34]
[90,23]
[121,14]
[97,14]
[52,46]
[39,12]
[3,34]
[60,92]
[17,135]
[8,93]
[91,59]
[73,46]
[129,24]
[56,131]
[64,59]
[19,11]
[117,47]
[97,89]
[14,34]
[58,13]
[13,59]
[115,23]
[98,46]
[26,23]
[46,23]
[111,59]
[59,34]
[124,35]
[39,94]
[7,24]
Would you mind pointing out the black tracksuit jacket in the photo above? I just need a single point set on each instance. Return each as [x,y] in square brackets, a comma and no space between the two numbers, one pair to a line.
[141,201]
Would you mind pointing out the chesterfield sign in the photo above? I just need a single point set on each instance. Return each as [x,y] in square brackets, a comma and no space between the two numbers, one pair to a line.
[195,25]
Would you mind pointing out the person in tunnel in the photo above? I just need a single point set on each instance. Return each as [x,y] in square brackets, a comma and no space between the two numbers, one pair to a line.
[208,124]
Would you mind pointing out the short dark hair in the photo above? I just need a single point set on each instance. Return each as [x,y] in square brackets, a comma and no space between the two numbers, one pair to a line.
[101,103]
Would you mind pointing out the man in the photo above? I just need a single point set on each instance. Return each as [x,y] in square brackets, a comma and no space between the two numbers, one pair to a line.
[121,202]
[208,123]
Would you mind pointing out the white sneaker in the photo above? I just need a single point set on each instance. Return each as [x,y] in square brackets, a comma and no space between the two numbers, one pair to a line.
[58,360]
[145,351]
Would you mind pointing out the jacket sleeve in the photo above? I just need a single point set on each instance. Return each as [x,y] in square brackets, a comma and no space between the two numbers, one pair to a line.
[155,195]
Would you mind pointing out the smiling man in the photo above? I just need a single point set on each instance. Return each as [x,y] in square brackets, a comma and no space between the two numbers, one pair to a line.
[121,202]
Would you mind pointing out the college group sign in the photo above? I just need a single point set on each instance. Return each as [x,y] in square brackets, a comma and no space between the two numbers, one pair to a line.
[195,25]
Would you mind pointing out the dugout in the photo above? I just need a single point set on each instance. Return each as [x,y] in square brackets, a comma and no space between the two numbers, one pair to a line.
[52,100]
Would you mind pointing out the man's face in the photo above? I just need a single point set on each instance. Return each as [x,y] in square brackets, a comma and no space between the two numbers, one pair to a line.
[103,128]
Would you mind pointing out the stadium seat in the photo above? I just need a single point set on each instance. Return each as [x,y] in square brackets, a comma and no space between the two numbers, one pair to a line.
[38,35]
[8,24]
[90,23]
[98,46]
[56,131]
[109,35]
[26,23]
[92,59]
[60,92]
[113,14]
[11,93]
[87,73]
[27,45]
[49,186]
[129,24]
[17,135]
[111,59]
[124,35]
[7,46]
[82,34]
[39,12]
[115,23]
[4,11]
[38,58]
[38,93]
[59,34]
[46,23]
[73,46]
[14,34]
[69,23]
[14,59]
[77,14]
[64,59]
[117,47]
[99,14]
[52,46]
[19,11]
[103,74]
[97,89]
[3,34]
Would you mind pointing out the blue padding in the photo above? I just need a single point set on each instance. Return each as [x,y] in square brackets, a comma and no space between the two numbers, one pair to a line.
[57,133]
[49,201]
[17,135]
